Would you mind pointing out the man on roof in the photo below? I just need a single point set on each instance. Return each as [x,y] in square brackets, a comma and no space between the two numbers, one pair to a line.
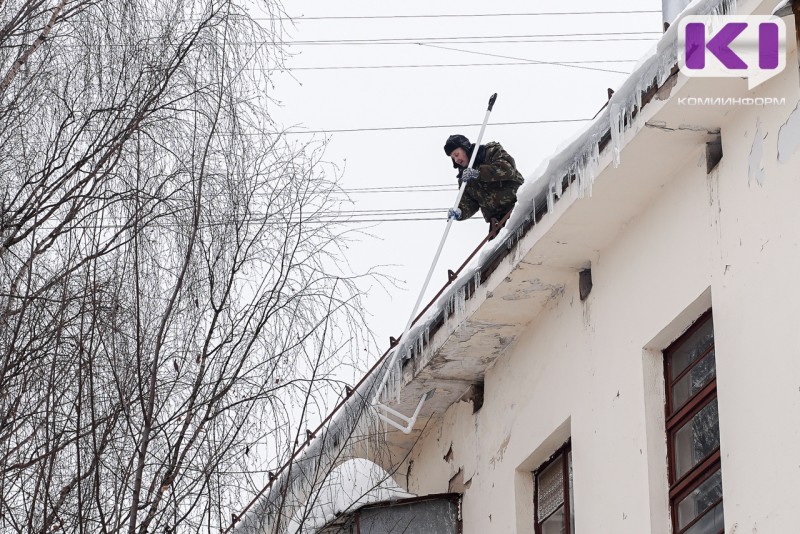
[492,182]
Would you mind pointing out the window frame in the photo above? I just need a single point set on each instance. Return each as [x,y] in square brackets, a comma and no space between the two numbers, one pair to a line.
[676,418]
[563,455]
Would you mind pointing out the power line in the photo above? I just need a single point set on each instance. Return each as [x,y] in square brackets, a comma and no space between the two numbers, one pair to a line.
[422,188]
[430,126]
[502,41]
[388,211]
[375,129]
[445,188]
[325,219]
[484,39]
[508,64]
[521,59]
[535,35]
[463,15]
[411,41]
[391,187]
[381,128]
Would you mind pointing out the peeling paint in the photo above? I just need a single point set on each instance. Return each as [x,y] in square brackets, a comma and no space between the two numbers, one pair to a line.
[498,457]
[755,168]
[536,286]
[789,136]
[662,125]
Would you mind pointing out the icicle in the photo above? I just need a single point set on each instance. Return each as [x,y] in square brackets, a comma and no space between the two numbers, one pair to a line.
[514,243]
[725,7]
[628,117]
[450,306]
[461,303]
[419,343]
[551,202]
[392,389]
[425,351]
[617,121]
[590,168]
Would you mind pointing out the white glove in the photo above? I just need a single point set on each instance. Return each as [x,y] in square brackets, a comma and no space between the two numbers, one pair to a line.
[469,174]
[454,214]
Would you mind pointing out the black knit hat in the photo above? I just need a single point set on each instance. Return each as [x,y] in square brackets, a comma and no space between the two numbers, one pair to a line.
[457,141]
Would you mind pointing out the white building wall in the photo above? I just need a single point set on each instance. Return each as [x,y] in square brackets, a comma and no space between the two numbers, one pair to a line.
[756,298]
[592,371]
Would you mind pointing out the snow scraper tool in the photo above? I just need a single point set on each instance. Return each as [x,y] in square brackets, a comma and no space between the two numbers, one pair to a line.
[380,407]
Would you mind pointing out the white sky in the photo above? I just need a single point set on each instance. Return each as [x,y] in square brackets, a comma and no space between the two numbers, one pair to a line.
[399,97]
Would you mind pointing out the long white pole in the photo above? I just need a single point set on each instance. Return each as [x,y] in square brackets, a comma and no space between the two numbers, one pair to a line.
[438,253]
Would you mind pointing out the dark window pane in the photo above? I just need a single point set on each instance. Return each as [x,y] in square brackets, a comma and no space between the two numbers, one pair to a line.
[702,501]
[692,348]
[710,523]
[555,523]
[697,438]
[693,381]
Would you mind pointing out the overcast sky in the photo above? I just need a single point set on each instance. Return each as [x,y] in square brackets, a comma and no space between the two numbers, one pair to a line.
[598,51]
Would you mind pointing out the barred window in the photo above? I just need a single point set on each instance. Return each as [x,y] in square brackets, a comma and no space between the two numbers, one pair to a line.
[553,503]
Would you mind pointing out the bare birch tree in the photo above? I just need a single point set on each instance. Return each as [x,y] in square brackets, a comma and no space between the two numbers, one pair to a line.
[170,296]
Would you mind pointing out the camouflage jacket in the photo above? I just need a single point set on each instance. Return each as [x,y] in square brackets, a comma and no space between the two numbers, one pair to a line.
[494,192]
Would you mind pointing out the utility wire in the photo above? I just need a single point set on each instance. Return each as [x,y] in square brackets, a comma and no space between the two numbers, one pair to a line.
[462,15]
[435,188]
[299,18]
[289,131]
[508,64]
[430,126]
[459,40]
[416,39]
[568,65]
[449,189]
[258,222]
[402,187]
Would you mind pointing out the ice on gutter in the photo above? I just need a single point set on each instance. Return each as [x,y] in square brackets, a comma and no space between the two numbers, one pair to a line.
[578,157]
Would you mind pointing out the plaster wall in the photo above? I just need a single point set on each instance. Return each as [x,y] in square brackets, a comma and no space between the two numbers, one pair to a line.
[592,371]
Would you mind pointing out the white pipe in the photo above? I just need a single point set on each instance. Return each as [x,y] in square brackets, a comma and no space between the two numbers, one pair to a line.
[375,400]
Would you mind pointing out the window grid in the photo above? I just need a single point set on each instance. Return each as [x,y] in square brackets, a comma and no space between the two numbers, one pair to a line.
[562,456]
[704,468]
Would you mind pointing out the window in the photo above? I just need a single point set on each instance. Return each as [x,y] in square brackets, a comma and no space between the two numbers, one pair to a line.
[553,503]
[695,476]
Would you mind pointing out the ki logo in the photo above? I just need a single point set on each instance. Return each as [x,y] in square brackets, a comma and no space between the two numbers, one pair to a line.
[752,47]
